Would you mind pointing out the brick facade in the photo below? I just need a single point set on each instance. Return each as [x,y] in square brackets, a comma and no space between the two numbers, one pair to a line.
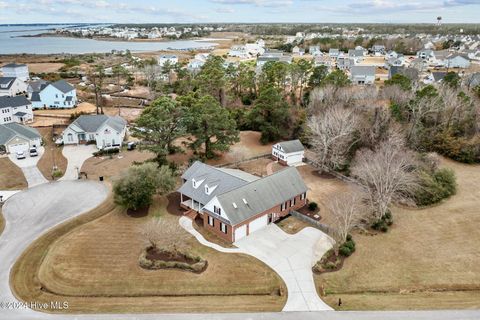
[231,229]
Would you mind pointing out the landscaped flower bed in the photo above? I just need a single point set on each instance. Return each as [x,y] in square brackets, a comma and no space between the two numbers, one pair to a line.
[156,258]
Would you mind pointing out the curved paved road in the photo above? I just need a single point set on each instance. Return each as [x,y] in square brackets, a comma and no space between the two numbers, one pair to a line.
[30,213]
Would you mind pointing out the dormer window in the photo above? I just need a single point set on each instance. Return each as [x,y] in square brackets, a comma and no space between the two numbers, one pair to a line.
[209,189]
[196,183]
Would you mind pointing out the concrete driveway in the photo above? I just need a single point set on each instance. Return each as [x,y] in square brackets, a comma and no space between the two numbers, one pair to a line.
[292,257]
[76,156]
[30,213]
[29,168]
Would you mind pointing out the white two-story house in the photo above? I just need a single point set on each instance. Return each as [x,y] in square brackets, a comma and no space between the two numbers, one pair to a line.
[172,59]
[15,109]
[15,70]
[56,95]
[11,86]
[290,153]
[105,131]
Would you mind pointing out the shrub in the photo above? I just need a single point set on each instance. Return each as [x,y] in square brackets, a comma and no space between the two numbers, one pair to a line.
[108,151]
[347,248]
[345,251]
[135,187]
[199,266]
[312,206]
[57,174]
[383,223]
[435,186]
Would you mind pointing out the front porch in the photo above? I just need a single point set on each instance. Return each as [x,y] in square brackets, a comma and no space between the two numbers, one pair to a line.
[190,204]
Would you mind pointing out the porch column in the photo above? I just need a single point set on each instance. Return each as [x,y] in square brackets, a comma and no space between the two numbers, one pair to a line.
[181,197]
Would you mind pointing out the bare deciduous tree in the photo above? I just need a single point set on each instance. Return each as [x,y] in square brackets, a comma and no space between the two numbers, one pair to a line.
[160,233]
[387,173]
[348,212]
[333,134]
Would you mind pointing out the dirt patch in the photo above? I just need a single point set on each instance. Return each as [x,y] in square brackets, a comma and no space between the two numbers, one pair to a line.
[173,206]
[291,224]
[45,67]
[314,214]
[139,213]
[323,174]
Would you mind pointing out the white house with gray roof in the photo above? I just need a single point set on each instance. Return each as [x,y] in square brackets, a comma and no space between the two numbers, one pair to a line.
[362,74]
[290,153]
[233,204]
[105,131]
[15,109]
[11,86]
[16,70]
[54,95]
[15,137]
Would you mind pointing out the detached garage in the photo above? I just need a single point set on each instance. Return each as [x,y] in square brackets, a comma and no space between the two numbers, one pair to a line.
[15,137]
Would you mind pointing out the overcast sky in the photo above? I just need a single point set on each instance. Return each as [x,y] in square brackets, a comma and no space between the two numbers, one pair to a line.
[178,11]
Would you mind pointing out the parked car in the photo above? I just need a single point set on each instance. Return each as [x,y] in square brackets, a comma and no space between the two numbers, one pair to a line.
[33,152]
[20,155]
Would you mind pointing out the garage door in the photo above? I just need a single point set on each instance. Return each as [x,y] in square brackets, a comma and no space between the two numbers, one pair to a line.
[12,148]
[240,232]
[258,223]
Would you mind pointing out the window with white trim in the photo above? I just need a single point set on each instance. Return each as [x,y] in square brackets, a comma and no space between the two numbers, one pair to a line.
[223,227]
[303,196]
[211,221]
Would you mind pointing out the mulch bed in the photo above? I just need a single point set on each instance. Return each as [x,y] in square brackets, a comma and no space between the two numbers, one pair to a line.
[139,213]
[173,206]
[331,258]
[154,254]
[304,210]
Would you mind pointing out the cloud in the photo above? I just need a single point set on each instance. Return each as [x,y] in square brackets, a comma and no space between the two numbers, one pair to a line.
[257,3]
[224,10]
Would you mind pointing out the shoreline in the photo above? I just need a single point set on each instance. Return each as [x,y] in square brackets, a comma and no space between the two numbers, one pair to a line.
[110,39]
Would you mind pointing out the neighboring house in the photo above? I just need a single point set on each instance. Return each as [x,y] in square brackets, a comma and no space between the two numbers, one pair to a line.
[345,63]
[172,59]
[55,95]
[15,137]
[288,153]
[324,60]
[315,50]
[419,64]
[362,74]
[105,131]
[333,53]
[233,204]
[410,73]
[14,70]
[11,86]
[457,60]
[357,55]
[298,51]
[273,56]
[378,50]
[425,54]
[15,109]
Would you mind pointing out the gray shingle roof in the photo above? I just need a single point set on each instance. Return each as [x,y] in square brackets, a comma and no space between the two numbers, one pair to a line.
[224,181]
[292,146]
[35,96]
[9,130]
[13,65]
[91,123]
[63,86]
[363,71]
[17,101]
[261,195]
[38,85]
[7,81]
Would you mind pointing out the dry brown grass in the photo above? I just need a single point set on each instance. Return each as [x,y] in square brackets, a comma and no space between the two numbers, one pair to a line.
[82,107]
[11,176]
[92,263]
[292,225]
[44,67]
[432,249]
[108,168]
[2,221]
[52,156]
